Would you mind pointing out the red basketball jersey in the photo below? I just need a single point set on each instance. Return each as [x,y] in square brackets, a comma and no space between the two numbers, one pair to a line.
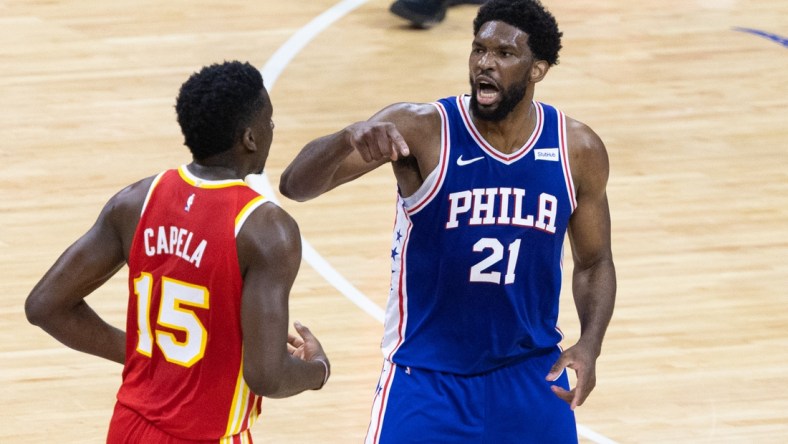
[183,370]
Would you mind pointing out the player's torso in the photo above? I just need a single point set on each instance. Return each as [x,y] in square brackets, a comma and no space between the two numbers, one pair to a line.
[184,343]
[477,250]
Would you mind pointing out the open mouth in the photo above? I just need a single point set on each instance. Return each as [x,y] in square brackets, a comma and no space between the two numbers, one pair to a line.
[486,92]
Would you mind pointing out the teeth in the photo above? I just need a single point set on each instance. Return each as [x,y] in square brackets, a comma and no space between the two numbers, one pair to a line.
[486,92]
[487,86]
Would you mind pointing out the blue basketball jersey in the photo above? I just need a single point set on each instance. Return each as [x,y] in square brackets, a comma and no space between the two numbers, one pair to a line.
[477,250]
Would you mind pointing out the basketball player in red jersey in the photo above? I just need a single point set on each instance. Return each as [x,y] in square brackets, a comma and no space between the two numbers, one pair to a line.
[211,264]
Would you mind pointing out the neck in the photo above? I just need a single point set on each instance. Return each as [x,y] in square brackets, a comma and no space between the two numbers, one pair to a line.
[219,167]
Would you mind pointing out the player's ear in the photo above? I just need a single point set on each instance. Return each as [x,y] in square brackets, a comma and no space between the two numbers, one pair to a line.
[248,139]
[539,70]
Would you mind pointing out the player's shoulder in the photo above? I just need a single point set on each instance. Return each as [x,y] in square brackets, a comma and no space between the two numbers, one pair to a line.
[271,223]
[418,123]
[588,155]
[122,212]
[270,235]
[271,212]
[582,140]
[132,197]
[406,112]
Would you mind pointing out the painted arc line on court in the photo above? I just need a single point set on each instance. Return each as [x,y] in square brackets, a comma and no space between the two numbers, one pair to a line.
[767,35]
[271,71]
[313,258]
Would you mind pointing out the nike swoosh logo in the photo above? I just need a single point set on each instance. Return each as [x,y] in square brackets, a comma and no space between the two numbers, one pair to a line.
[463,162]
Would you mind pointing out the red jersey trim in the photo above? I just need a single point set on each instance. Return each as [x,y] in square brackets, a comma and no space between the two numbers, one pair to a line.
[442,164]
[462,105]
[564,147]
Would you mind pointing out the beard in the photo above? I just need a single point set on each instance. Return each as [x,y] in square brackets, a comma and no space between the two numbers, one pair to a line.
[510,98]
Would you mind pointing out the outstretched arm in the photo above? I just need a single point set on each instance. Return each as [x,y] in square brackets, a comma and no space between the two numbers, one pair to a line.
[396,132]
[594,278]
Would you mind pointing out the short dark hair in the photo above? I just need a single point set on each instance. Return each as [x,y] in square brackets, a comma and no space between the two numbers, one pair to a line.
[215,104]
[531,17]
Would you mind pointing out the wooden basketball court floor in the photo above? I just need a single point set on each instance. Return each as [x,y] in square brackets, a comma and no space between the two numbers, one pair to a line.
[693,108]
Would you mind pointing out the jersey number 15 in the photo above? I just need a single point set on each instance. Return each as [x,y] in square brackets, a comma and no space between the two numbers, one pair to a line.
[176,312]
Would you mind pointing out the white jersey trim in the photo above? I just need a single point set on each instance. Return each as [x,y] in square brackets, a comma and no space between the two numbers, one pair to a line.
[463,104]
[246,211]
[434,181]
[150,192]
[190,178]
[396,316]
[380,403]
[564,147]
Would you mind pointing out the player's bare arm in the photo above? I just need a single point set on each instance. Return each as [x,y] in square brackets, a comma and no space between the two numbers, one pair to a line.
[56,303]
[269,252]
[594,278]
[392,135]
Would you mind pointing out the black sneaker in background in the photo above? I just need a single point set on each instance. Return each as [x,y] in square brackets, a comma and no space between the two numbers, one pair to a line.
[426,13]
[420,13]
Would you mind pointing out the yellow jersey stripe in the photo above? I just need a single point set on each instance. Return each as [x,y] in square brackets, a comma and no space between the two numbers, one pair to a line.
[193,180]
[246,211]
[235,419]
[150,191]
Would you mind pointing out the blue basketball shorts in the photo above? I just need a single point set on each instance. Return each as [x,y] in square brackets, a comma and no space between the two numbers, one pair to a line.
[513,404]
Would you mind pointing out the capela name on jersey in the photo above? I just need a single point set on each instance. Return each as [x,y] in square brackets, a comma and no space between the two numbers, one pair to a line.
[174,240]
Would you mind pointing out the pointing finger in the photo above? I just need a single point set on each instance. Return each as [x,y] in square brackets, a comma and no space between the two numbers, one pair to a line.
[399,148]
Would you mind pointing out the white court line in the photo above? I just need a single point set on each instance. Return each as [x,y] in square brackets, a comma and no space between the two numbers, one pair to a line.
[593,436]
[261,184]
[271,71]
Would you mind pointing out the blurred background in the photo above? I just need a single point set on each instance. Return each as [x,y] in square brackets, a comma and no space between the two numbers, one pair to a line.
[690,97]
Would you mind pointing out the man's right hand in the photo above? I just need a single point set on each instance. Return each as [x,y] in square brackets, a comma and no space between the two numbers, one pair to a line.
[306,347]
[376,140]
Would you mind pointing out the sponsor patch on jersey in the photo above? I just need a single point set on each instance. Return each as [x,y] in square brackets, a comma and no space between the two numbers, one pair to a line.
[546,154]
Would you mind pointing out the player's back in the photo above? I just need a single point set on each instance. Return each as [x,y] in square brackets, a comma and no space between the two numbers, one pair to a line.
[183,370]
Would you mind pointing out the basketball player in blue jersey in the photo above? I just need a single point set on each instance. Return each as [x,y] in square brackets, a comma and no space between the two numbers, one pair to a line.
[490,185]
